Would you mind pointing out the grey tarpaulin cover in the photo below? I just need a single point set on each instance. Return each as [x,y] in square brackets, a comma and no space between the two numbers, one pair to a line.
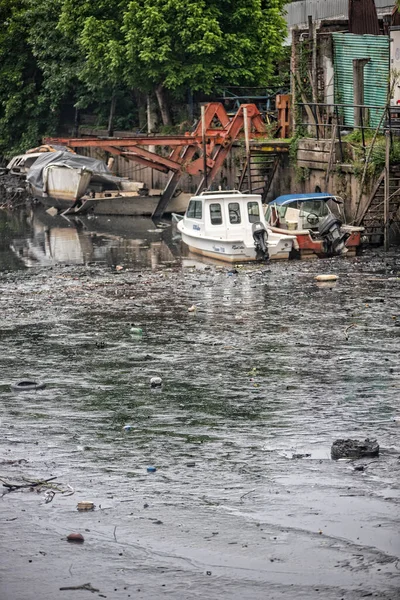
[76,161]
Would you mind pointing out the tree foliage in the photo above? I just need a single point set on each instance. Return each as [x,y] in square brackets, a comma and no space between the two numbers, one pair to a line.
[20,114]
[85,52]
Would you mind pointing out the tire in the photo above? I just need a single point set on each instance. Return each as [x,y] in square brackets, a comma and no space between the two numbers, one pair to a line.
[27,385]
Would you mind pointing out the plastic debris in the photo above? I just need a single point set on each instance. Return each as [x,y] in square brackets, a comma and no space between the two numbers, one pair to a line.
[155,382]
[85,505]
[326,278]
[52,211]
[135,330]
[354,449]
[119,268]
[192,308]
[48,496]
[306,455]
[76,537]
[151,469]
[127,428]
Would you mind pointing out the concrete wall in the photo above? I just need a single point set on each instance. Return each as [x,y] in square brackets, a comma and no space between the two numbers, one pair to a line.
[343,183]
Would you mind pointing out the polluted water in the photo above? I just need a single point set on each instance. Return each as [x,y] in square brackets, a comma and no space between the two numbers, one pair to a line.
[245,500]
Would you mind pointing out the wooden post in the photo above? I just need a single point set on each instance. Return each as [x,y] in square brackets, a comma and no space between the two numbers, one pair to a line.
[110,128]
[247,142]
[76,122]
[386,193]
[293,68]
[203,136]
[314,69]
[358,89]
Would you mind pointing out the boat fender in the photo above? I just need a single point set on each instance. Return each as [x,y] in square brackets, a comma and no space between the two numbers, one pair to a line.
[326,278]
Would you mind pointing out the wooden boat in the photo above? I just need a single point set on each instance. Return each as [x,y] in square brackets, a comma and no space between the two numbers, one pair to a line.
[77,185]
[230,226]
[142,202]
[319,232]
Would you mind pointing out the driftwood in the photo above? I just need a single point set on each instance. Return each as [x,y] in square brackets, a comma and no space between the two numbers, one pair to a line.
[84,586]
[30,484]
[52,488]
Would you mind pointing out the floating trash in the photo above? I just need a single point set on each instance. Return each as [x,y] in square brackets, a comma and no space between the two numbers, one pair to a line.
[151,469]
[155,382]
[134,330]
[27,385]
[76,537]
[85,505]
[326,278]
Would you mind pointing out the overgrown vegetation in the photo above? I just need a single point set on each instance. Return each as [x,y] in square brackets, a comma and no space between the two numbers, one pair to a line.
[376,163]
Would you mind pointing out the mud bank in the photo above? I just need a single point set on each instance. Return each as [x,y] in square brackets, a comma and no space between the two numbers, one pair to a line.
[265,368]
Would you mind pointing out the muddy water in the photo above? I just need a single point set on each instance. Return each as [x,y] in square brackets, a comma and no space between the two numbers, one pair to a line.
[265,368]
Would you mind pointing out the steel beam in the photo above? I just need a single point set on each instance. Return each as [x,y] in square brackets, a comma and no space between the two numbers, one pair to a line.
[172,185]
[213,137]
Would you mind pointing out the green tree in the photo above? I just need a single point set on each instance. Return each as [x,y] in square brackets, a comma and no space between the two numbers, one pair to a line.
[159,46]
[21,116]
[58,56]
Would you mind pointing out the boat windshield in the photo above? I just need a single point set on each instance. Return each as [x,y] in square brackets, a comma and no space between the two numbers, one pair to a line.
[195,209]
[318,208]
[234,213]
[315,207]
[253,211]
[215,214]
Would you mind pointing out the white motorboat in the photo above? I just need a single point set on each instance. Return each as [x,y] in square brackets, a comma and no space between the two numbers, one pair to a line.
[20,165]
[230,226]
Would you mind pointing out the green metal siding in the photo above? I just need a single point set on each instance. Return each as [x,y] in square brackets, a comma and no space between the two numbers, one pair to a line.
[348,46]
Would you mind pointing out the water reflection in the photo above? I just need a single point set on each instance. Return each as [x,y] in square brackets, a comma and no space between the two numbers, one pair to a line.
[39,239]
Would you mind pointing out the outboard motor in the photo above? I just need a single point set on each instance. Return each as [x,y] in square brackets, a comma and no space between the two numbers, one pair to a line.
[334,238]
[260,237]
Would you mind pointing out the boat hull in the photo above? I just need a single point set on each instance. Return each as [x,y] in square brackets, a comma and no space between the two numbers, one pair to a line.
[66,184]
[127,205]
[311,248]
[229,251]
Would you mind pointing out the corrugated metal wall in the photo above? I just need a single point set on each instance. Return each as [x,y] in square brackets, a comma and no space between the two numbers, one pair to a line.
[297,12]
[348,46]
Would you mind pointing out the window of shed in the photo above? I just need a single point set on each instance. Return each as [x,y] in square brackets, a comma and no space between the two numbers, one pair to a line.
[215,214]
[234,213]
[253,211]
[194,210]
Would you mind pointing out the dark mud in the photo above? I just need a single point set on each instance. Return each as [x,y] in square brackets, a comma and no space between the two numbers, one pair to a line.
[269,366]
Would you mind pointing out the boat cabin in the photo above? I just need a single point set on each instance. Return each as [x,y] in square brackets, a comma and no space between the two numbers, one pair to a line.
[223,215]
[299,211]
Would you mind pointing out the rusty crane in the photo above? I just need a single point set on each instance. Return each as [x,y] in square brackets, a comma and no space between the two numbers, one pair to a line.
[201,152]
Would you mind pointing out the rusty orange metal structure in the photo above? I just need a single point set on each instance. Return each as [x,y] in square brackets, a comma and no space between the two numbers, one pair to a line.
[201,152]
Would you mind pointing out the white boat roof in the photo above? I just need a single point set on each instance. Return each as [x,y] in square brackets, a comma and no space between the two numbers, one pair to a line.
[226,195]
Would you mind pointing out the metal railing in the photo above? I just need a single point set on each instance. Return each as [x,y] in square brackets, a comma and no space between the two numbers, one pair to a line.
[329,120]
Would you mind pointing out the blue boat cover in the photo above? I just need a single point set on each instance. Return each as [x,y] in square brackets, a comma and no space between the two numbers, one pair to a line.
[287,198]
